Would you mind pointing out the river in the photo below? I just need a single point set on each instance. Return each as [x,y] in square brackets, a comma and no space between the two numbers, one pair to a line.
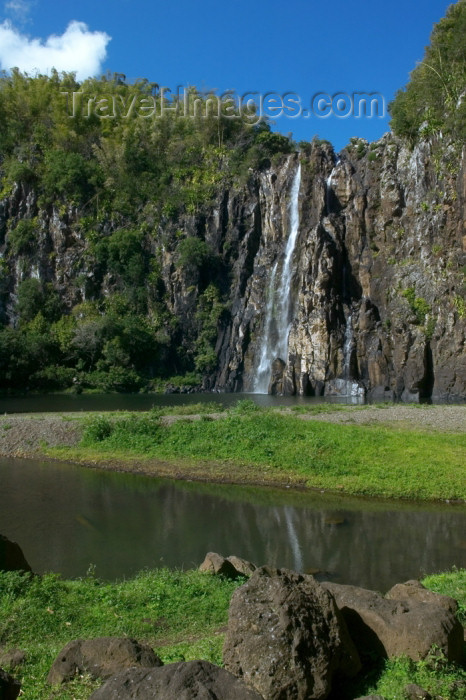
[69,518]
[144,402]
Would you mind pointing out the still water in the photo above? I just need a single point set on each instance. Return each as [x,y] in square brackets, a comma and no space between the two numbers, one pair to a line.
[67,518]
[144,402]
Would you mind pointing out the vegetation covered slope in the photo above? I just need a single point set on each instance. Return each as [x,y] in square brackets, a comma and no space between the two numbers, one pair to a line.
[120,184]
[435,98]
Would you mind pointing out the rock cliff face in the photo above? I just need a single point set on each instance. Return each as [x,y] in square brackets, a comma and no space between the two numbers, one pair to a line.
[377,287]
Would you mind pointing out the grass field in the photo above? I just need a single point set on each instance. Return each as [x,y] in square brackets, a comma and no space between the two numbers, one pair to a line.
[251,445]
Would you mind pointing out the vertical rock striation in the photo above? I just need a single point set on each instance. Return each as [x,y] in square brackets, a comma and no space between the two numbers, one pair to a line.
[378,278]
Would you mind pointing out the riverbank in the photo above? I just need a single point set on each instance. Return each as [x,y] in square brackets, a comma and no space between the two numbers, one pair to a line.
[396,452]
[181,615]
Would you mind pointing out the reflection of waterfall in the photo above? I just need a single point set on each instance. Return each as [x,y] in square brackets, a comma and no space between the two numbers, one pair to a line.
[277,324]
[294,542]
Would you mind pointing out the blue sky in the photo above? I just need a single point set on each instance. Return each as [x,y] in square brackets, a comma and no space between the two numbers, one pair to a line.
[300,46]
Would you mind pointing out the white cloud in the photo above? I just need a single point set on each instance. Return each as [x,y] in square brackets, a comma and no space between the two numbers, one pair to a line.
[78,50]
[19,9]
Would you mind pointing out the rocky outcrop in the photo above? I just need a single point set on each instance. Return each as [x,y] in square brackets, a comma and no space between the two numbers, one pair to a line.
[377,287]
[101,658]
[378,280]
[230,567]
[11,556]
[242,566]
[9,686]
[388,627]
[286,637]
[178,681]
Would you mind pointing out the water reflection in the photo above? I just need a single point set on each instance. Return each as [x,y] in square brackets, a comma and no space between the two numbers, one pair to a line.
[67,518]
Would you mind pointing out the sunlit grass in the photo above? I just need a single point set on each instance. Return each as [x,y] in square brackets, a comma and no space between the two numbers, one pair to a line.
[262,445]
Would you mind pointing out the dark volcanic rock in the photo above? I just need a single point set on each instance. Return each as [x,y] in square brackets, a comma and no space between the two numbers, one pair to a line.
[11,556]
[100,657]
[286,638]
[388,628]
[179,681]
[9,686]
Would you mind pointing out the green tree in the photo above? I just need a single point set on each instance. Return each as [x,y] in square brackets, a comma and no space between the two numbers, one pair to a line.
[435,97]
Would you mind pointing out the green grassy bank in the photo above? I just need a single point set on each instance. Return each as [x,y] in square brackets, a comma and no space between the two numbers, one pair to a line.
[182,615]
[251,445]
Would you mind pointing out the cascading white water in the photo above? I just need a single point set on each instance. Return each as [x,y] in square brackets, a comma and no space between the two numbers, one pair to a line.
[347,350]
[349,386]
[295,547]
[277,312]
[329,185]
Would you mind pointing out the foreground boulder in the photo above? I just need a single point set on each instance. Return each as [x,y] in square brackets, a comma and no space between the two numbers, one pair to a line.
[286,637]
[180,681]
[101,658]
[386,627]
[415,592]
[9,686]
[230,567]
[11,556]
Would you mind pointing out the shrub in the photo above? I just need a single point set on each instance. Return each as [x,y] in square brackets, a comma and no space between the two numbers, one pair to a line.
[192,252]
[99,428]
[418,305]
[23,236]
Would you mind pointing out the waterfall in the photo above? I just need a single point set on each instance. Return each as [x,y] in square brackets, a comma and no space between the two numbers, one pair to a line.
[347,350]
[277,323]
[329,186]
[295,547]
[349,386]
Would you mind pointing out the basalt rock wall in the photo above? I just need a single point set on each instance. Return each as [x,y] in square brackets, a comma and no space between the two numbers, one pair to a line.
[378,285]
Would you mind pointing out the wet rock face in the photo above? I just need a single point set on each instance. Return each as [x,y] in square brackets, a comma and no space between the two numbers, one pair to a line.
[286,638]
